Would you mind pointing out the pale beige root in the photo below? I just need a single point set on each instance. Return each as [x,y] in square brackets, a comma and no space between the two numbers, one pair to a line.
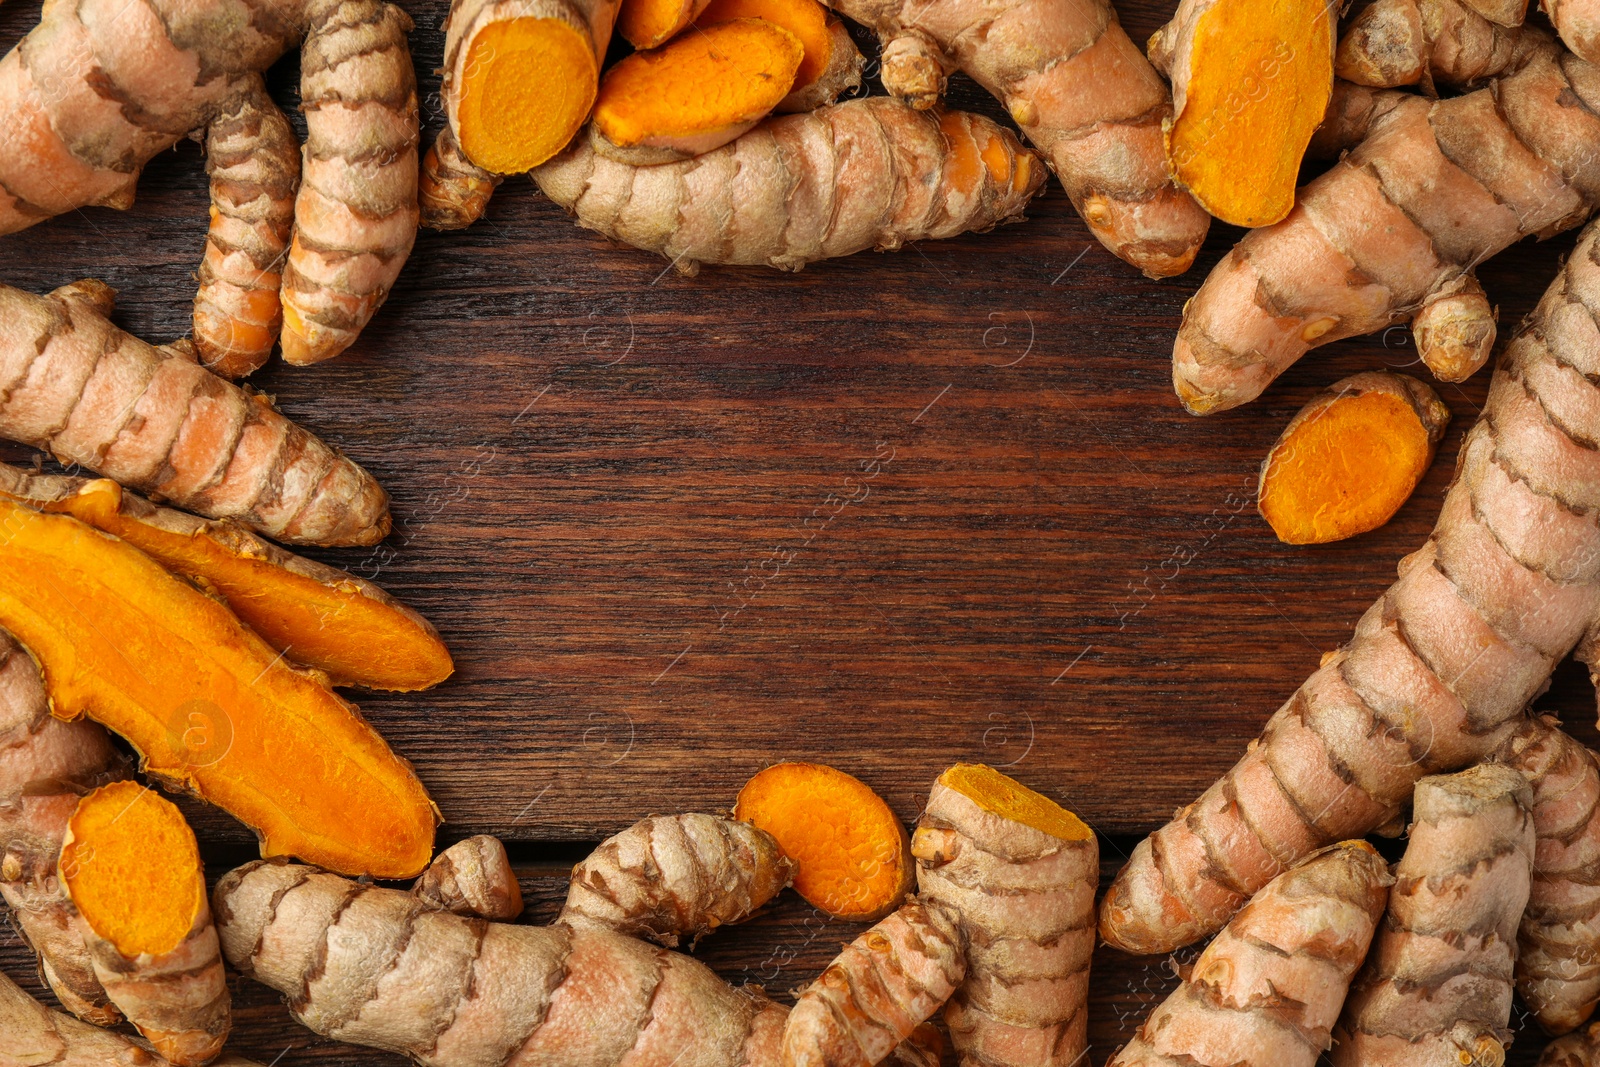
[472,877]
[876,993]
[1352,109]
[1558,966]
[1439,670]
[1574,1050]
[77,386]
[132,867]
[1267,990]
[676,876]
[377,967]
[453,191]
[1578,23]
[1435,189]
[356,215]
[1436,987]
[914,69]
[840,77]
[1410,42]
[1019,872]
[46,765]
[253,158]
[868,173]
[1455,329]
[1084,95]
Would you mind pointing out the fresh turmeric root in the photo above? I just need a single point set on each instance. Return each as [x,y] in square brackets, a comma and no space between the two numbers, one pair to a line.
[883,986]
[868,173]
[694,94]
[1019,872]
[1436,188]
[1574,1050]
[831,65]
[472,877]
[1437,986]
[1438,671]
[210,707]
[75,385]
[651,23]
[683,875]
[852,856]
[1416,42]
[1350,458]
[1250,82]
[914,69]
[1083,93]
[1578,23]
[1267,990]
[132,868]
[1558,965]
[46,765]
[314,614]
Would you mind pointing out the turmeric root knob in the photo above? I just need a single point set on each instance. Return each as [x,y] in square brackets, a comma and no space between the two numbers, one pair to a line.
[853,856]
[1350,458]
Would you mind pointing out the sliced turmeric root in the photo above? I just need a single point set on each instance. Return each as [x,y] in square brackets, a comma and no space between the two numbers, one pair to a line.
[695,94]
[210,707]
[316,615]
[1351,457]
[831,64]
[853,855]
[133,870]
[1251,81]
[651,23]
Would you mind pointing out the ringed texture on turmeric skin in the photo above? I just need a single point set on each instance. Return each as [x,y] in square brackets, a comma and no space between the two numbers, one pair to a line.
[316,615]
[132,867]
[695,93]
[210,707]
[1350,458]
[1250,82]
[852,856]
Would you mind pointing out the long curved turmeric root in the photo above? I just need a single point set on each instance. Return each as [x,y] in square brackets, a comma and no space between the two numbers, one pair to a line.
[46,765]
[1439,669]
[316,615]
[210,707]
[1437,986]
[1267,991]
[863,174]
[1435,189]
[1083,93]
[151,418]
[132,867]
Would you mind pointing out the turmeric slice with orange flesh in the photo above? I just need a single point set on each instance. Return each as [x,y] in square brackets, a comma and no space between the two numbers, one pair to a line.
[652,23]
[316,615]
[831,64]
[1251,81]
[132,868]
[210,707]
[1350,458]
[695,94]
[853,856]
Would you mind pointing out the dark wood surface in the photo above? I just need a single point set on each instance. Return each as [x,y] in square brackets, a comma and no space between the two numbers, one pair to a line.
[642,511]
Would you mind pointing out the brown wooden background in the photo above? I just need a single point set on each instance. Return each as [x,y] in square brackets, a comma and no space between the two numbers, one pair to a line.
[598,465]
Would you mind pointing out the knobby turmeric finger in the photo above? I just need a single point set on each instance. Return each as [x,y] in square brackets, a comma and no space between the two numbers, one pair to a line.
[1350,458]
[472,877]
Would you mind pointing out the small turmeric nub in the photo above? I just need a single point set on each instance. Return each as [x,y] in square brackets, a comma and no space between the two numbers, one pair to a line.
[853,855]
[528,85]
[1350,458]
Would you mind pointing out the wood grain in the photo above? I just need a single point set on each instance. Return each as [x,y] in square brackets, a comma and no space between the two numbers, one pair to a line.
[644,512]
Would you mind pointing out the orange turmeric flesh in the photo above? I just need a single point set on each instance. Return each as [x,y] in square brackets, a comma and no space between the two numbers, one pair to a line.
[651,23]
[314,615]
[528,86]
[210,707]
[853,855]
[700,91]
[806,19]
[1008,798]
[132,867]
[1350,458]
[1251,82]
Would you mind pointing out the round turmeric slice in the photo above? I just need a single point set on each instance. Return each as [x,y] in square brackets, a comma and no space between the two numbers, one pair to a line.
[525,87]
[695,94]
[1350,458]
[853,856]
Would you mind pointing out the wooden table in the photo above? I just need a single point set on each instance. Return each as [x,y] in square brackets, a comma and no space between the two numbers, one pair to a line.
[643,511]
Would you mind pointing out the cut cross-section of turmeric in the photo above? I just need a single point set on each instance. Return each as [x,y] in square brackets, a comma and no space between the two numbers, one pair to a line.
[831,63]
[695,94]
[210,707]
[853,856]
[1351,457]
[651,23]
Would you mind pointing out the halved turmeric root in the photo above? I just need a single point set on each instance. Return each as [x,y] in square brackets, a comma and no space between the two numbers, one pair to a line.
[316,615]
[210,707]
[651,23]
[832,63]
[132,867]
[695,94]
[853,857]
[1351,457]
